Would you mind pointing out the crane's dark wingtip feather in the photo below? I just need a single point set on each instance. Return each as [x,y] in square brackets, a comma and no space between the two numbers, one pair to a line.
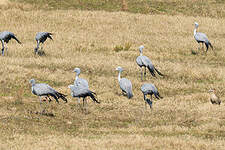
[93,98]
[159,72]
[62,96]
[210,45]
[129,95]
[152,73]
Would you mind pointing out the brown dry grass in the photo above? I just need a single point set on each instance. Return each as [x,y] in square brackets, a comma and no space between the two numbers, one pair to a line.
[4,2]
[184,119]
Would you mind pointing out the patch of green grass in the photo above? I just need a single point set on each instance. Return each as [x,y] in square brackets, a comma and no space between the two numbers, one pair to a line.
[126,47]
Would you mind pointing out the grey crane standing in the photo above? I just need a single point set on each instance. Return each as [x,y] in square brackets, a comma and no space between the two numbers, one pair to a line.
[80,91]
[5,37]
[42,89]
[125,84]
[201,38]
[144,61]
[149,89]
[41,37]
[80,81]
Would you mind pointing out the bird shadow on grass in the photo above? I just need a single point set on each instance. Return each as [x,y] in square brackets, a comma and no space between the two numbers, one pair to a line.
[81,109]
[48,114]
[194,52]
[120,93]
[41,53]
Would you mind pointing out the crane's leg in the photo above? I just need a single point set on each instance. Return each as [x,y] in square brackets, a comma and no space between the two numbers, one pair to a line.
[86,103]
[2,47]
[83,102]
[145,73]
[6,47]
[141,75]
[42,45]
[43,108]
[49,99]
[203,47]
[199,46]
[78,100]
[151,100]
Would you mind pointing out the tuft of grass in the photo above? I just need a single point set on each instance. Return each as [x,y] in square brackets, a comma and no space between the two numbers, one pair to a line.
[119,48]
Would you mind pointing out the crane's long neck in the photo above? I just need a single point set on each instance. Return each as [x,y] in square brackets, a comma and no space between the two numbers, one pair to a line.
[119,76]
[77,76]
[141,53]
[195,31]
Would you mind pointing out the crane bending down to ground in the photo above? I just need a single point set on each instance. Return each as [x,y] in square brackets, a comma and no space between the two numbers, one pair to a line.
[5,37]
[42,89]
[80,91]
[201,38]
[125,84]
[80,81]
[149,89]
[144,61]
[213,98]
[41,37]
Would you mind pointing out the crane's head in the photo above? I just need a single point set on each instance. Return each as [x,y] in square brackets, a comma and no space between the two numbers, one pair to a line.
[32,81]
[196,25]
[211,91]
[35,50]
[149,102]
[141,48]
[77,70]
[119,69]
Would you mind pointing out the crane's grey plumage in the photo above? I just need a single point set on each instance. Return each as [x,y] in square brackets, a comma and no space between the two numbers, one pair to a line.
[201,38]
[149,89]
[80,81]
[5,37]
[80,91]
[41,37]
[42,89]
[125,84]
[144,61]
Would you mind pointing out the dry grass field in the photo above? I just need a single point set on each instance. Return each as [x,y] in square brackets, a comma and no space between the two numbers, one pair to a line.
[95,41]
